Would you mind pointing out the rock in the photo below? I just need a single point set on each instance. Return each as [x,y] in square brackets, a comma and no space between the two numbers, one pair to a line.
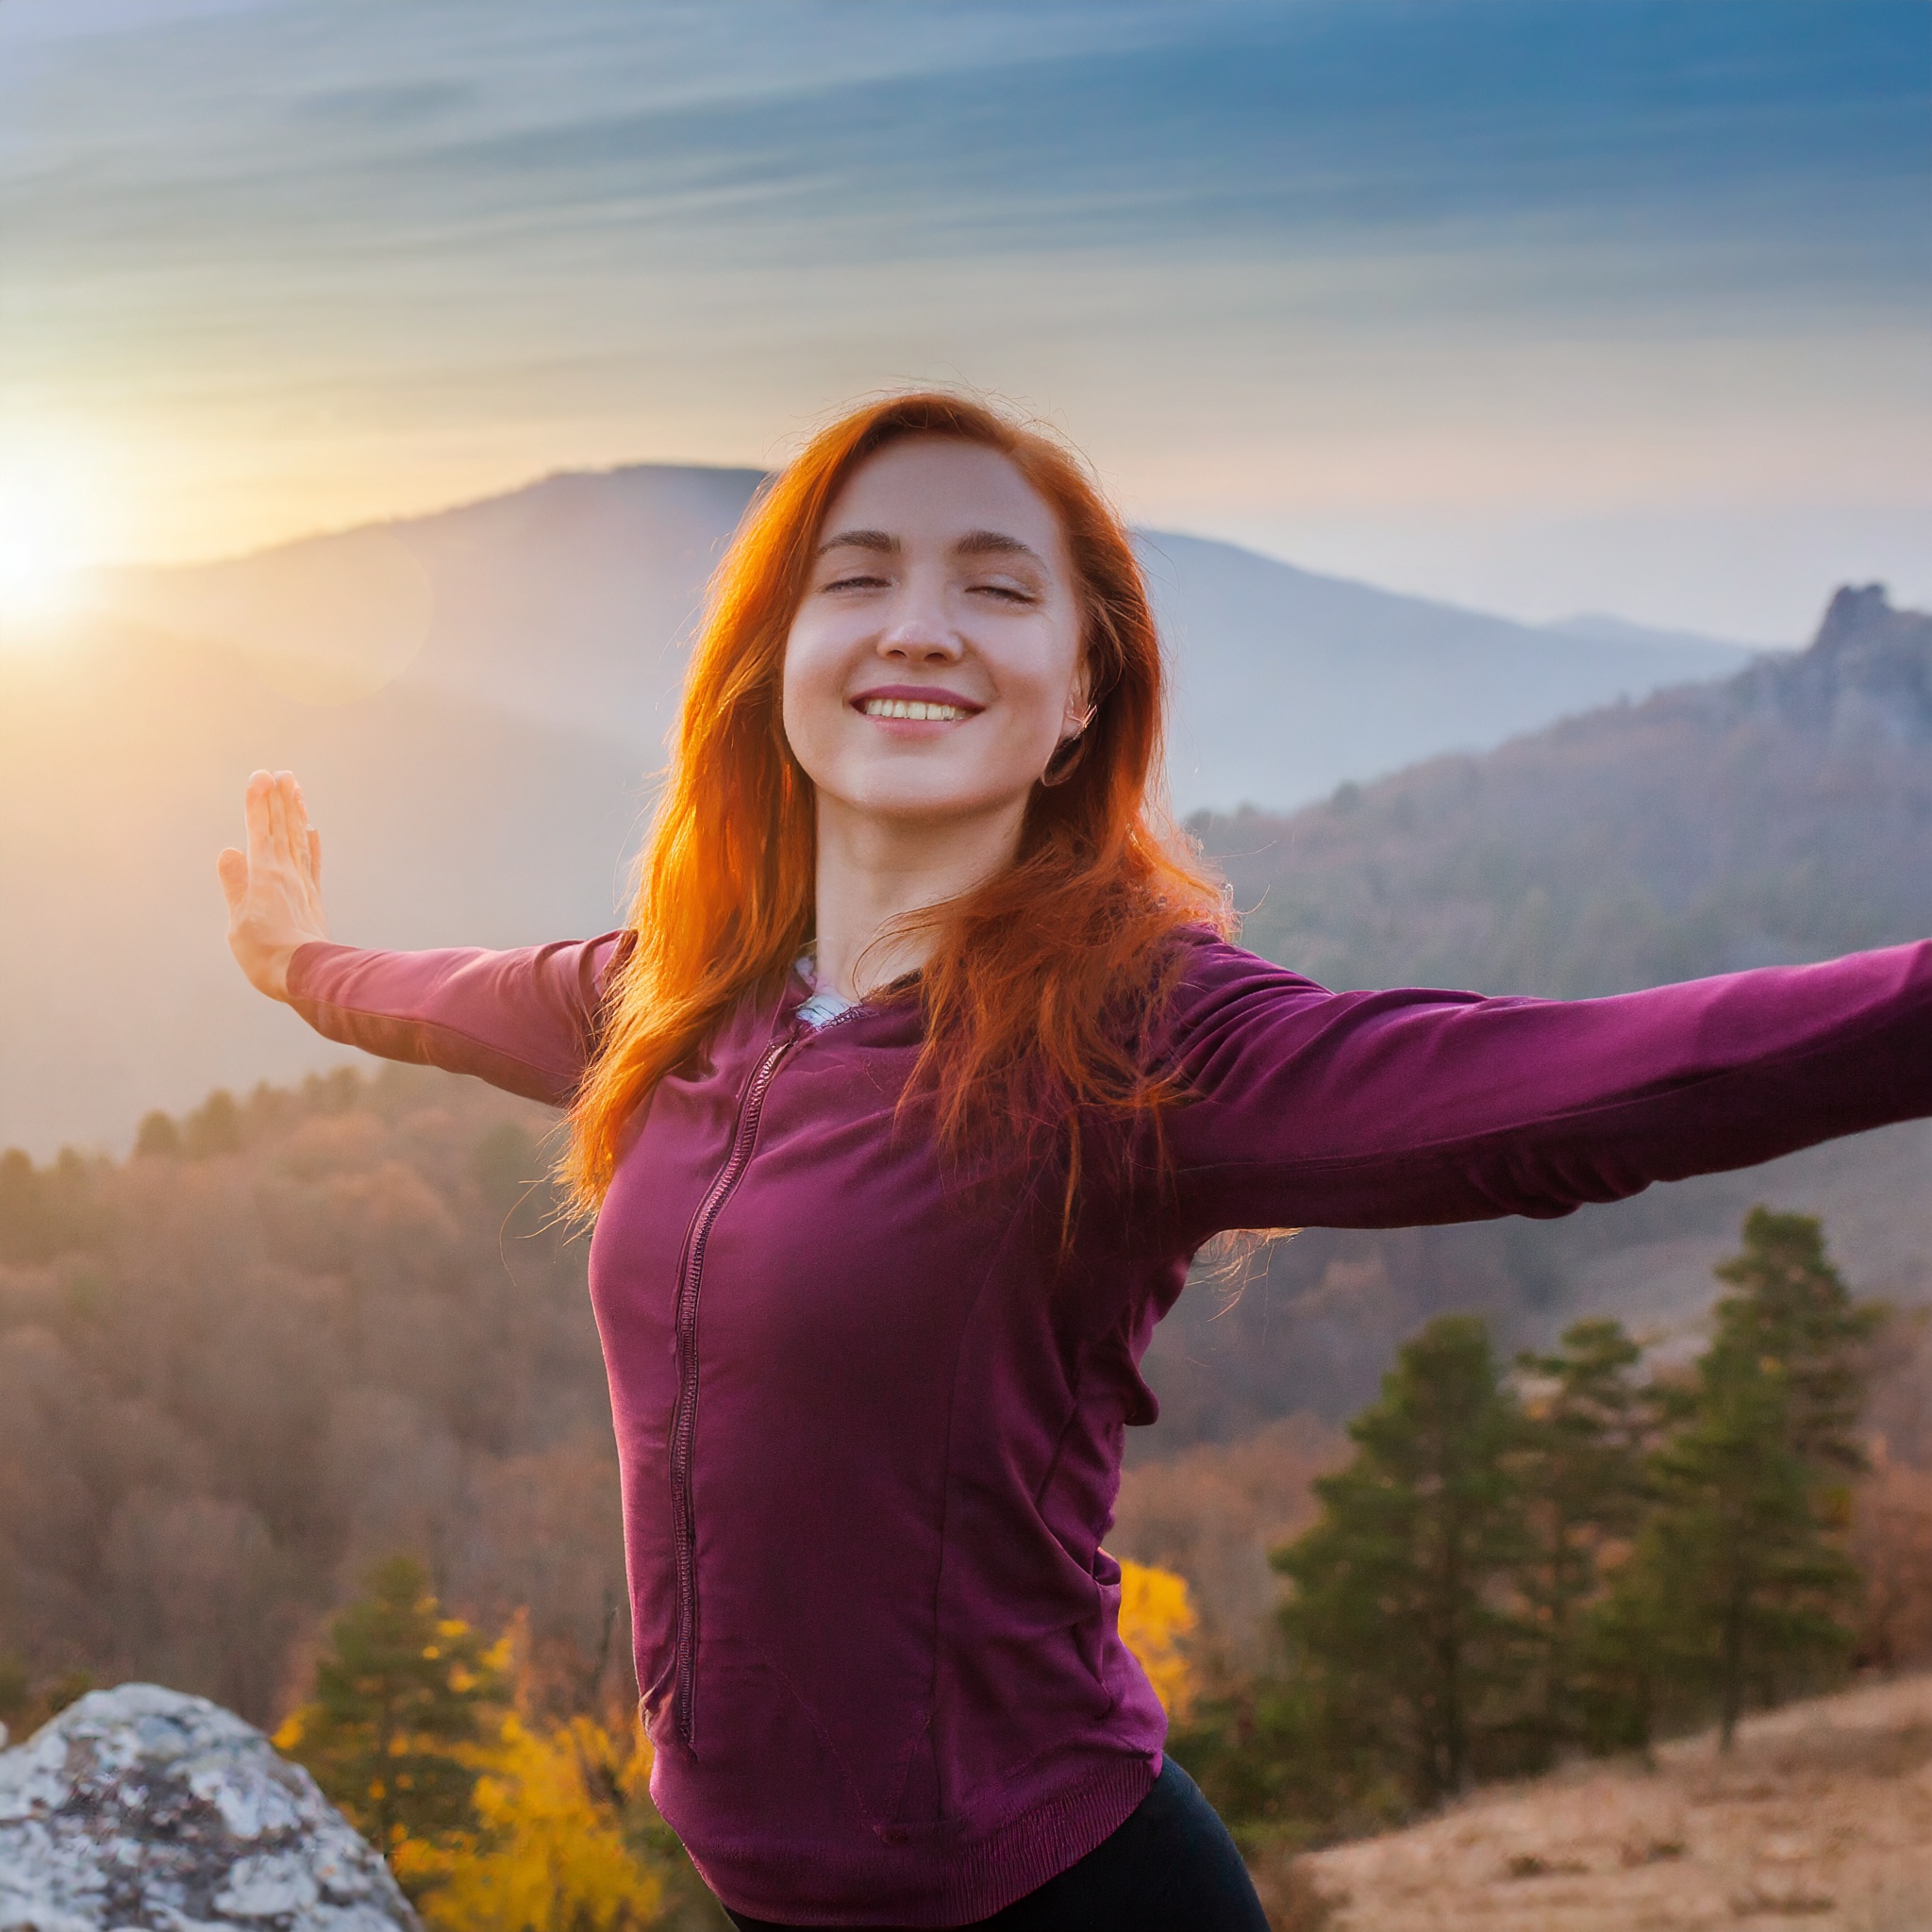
[139,1808]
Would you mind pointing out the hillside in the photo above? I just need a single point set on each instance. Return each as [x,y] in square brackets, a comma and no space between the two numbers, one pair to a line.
[1782,815]
[292,1336]
[1822,1815]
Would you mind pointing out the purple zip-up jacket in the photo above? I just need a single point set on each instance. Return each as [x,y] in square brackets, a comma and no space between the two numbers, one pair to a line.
[870,1424]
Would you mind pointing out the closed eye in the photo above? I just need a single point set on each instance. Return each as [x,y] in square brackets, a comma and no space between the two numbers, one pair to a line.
[860,581]
[1007,592]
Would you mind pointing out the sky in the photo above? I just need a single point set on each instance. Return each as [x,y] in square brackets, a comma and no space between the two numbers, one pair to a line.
[1540,306]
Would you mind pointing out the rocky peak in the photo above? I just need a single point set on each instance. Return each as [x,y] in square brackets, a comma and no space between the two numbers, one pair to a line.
[1867,676]
[1857,615]
[139,1807]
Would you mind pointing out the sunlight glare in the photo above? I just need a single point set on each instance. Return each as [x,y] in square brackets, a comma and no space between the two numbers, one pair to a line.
[49,534]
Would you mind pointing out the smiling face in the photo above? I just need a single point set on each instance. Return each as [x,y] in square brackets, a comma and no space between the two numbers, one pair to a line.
[934,665]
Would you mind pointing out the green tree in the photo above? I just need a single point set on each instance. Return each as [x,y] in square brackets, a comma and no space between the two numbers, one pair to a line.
[1742,1562]
[1587,1423]
[404,1700]
[1398,1623]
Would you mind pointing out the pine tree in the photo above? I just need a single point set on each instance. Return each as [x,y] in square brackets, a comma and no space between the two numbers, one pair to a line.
[403,1700]
[1581,1469]
[1742,1560]
[1396,1624]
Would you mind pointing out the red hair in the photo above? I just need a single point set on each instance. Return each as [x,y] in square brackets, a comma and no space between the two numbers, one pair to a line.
[1038,990]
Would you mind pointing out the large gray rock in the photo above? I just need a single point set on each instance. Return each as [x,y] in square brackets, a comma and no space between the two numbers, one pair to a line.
[140,1807]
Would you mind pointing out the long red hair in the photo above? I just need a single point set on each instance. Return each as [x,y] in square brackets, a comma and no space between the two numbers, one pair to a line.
[1042,979]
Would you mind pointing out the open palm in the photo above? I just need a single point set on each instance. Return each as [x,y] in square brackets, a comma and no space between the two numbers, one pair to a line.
[274,887]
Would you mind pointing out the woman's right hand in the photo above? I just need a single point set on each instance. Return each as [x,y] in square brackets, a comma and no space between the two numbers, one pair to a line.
[274,889]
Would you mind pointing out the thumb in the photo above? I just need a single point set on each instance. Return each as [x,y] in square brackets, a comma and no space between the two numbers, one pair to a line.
[233,869]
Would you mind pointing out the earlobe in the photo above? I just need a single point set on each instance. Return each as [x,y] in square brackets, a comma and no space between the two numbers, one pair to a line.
[1068,752]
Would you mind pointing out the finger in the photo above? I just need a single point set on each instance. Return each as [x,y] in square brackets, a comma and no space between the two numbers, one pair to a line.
[298,821]
[295,811]
[232,866]
[315,856]
[279,840]
[255,803]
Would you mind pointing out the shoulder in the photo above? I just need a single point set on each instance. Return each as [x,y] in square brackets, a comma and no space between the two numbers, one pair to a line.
[1208,989]
[1207,970]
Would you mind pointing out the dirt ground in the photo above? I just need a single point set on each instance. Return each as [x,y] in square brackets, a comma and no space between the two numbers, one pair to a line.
[1821,1816]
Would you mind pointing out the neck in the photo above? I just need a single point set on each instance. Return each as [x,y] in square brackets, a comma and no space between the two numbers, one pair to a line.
[875,871]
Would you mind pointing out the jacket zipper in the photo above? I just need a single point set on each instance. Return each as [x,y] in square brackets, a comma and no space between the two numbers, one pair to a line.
[685,1416]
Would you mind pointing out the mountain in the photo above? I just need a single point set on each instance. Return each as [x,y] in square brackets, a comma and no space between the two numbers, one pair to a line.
[571,602]
[1287,683]
[1596,627]
[475,700]
[1782,815]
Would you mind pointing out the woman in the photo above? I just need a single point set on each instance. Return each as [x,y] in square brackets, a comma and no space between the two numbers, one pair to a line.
[922,1069]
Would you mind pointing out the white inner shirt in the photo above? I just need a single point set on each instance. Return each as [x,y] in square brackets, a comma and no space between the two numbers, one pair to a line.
[822,1003]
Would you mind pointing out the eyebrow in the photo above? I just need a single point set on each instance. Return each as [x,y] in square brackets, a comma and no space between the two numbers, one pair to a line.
[995,544]
[858,539]
[974,543]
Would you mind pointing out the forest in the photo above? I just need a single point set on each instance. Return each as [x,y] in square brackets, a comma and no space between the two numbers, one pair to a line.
[315,1368]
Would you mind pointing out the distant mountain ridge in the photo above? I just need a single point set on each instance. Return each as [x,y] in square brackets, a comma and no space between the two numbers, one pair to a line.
[1785,813]
[571,602]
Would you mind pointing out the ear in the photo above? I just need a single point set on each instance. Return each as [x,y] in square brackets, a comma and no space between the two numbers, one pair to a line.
[1079,712]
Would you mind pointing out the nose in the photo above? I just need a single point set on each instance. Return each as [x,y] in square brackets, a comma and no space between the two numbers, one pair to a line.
[919,637]
[921,632]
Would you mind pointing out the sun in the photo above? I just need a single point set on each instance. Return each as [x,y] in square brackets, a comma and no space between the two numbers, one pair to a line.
[50,531]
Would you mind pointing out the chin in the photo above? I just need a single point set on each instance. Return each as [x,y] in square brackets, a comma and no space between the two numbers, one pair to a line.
[929,804]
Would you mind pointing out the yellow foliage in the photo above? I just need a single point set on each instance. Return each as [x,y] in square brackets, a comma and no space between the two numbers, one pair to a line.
[549,1854]
[1156,1616]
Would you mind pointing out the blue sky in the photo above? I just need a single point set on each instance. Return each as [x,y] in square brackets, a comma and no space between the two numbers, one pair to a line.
[1541,305]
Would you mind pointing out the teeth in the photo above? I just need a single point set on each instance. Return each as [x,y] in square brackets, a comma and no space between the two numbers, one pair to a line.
[910,707]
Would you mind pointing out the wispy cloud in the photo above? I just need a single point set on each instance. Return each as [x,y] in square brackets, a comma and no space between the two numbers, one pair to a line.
[593,230]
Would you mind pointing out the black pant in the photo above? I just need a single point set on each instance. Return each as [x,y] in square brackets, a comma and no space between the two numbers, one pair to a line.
[1170,1867]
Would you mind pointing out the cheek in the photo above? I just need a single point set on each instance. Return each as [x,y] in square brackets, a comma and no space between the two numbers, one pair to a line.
[809,687]
[1047,684]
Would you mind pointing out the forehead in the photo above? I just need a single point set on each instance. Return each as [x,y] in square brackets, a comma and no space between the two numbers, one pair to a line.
[936,490]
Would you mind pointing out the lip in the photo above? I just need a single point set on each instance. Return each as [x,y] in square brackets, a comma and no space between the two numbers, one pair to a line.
[917,694]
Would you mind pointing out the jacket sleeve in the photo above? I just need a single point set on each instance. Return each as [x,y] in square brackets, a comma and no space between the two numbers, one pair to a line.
[524,1020]
[1404,1108]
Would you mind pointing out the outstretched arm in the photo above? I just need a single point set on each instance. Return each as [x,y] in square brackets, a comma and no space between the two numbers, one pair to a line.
[524,1020]
[1401,1109]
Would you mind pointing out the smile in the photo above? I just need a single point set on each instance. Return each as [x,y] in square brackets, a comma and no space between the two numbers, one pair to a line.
[924,709]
